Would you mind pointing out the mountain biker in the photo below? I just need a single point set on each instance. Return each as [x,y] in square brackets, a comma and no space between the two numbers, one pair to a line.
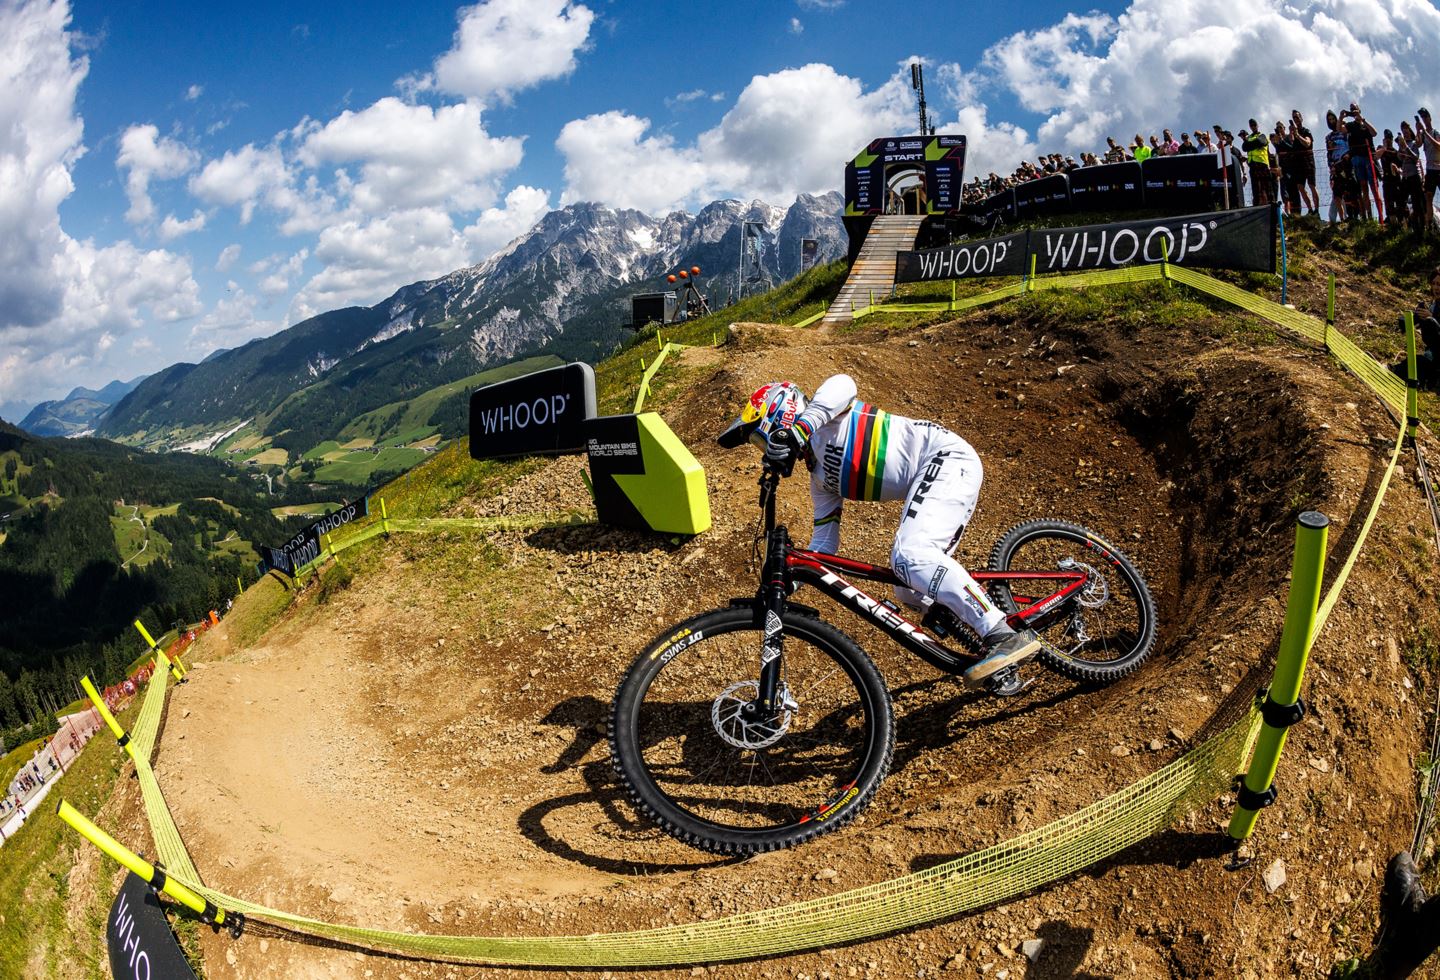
[856,451]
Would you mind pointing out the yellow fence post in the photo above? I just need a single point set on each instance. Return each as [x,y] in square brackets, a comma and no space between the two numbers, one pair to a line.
[1165,262]
[161,661]
[1282,707]
[121,735]
[1030,279]
[1329,310]
[952,295]
[239,587]
[384,518]
[1412,382]
[149,873]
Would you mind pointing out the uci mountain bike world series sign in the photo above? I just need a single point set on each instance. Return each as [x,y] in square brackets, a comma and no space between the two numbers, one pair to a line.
[538,414]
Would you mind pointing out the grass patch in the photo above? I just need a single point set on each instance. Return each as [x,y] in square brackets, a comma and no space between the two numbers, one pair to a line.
[257,609]
[358,467]
[322,450]
[36,921]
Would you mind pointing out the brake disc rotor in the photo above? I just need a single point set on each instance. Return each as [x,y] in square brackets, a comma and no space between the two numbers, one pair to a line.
[746,731]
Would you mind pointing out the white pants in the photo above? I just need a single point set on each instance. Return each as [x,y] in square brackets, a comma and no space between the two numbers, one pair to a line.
[937,508]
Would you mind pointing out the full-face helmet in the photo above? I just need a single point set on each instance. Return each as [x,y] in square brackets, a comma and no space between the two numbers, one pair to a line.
[771,406]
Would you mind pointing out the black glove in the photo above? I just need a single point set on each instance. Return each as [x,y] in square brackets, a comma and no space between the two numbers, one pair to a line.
[781,450]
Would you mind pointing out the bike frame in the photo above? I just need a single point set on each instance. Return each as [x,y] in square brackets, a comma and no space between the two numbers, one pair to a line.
[786,565]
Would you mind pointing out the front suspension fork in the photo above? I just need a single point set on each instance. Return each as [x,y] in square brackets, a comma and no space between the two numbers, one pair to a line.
[772,598]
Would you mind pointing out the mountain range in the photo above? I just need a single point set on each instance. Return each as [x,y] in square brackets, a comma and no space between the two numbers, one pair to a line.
[562,288]
[76,413]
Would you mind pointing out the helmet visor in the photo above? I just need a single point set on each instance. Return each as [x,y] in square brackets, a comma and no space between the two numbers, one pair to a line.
[740,431]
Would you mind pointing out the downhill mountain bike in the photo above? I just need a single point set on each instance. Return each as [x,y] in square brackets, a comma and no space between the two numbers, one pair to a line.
[759,725]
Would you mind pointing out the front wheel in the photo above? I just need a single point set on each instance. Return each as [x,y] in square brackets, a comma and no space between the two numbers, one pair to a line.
[700,760]
[1109,627]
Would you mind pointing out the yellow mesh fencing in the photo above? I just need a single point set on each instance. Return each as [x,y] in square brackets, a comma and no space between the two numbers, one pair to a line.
[985,877]
[972,881]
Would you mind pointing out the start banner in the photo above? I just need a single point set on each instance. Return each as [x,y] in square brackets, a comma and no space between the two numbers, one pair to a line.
[1241,240]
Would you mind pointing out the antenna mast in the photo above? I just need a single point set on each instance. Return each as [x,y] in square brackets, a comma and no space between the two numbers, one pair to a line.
[917,82]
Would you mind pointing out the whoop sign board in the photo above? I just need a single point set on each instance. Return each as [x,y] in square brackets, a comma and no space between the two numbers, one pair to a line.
[142,947]
[537,414]
[1241,240]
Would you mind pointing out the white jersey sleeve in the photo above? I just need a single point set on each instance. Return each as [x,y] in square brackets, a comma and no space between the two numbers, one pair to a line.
[831,399]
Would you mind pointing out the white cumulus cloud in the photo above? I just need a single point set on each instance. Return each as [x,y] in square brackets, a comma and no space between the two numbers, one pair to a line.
[63,303]
[497,227]
[788,132]
[504,46]
[173,227]
[415,156]
[145,155]
[364,260]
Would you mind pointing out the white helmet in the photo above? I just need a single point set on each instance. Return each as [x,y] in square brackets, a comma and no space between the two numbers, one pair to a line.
[773,405]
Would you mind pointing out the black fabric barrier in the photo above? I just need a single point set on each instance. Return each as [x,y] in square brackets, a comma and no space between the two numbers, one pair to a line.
[1004,256]
[1108,187]
[1181,183]
[1048,195]
[304,547]
[140,942]
[1242,240]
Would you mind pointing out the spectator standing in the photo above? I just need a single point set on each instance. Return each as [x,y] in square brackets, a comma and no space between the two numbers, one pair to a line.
[1387,166]
[1169,147]
[1139,151]
[1185,147]
[1411,195]
[1114,153]
[1360,138]
[1430,147]
[1257,155]
[1282,168]
[1305,147]
[1337,157]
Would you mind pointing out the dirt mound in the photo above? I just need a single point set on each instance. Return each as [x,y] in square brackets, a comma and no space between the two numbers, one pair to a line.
[425,748]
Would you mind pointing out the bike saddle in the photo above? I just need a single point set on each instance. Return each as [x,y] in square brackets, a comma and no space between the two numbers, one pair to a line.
[1008,683]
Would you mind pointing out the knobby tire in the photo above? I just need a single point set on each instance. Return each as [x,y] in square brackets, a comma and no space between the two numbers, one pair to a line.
[681,773]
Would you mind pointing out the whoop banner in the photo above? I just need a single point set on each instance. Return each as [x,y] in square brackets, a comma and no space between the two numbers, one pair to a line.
[1241,240]
[140,942]
[304,547]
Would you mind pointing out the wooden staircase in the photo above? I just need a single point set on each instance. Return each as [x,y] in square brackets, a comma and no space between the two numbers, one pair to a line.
[874,268]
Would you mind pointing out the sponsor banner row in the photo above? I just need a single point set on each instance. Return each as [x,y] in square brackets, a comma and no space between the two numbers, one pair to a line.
[1241,240]
[304,547]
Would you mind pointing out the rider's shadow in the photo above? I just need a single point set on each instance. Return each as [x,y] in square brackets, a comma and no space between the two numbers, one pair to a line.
[938,724]
[586,716]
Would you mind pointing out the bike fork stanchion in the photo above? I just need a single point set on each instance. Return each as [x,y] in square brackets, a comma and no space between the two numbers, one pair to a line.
[1282,706]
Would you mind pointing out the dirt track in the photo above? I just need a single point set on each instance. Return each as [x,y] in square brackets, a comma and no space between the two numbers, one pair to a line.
[425,750]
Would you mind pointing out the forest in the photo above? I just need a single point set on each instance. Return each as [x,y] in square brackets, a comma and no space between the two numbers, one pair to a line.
[66,602]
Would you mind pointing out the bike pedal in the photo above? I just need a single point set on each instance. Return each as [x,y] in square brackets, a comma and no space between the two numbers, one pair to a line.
[1008,683]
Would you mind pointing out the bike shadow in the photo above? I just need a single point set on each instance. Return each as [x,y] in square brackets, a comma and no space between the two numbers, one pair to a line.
[586,716]
[937,724]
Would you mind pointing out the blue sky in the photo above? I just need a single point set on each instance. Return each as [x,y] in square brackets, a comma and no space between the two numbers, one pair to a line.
[175,178]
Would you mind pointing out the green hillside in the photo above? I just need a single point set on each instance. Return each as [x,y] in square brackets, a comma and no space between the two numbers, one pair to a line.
[100,534]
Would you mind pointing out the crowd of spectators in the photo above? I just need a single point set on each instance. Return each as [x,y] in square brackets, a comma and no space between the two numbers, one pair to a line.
[1396,180]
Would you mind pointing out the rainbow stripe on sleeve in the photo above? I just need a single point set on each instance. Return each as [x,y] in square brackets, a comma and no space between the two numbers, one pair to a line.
[863,473]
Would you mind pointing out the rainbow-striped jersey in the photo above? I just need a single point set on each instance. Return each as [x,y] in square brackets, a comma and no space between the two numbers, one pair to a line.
[859,451]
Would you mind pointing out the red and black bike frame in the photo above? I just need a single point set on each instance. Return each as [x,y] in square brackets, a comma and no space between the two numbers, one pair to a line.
[786,565]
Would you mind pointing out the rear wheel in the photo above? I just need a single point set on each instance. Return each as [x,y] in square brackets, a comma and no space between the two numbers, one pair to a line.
[1110,626]
[698,758]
